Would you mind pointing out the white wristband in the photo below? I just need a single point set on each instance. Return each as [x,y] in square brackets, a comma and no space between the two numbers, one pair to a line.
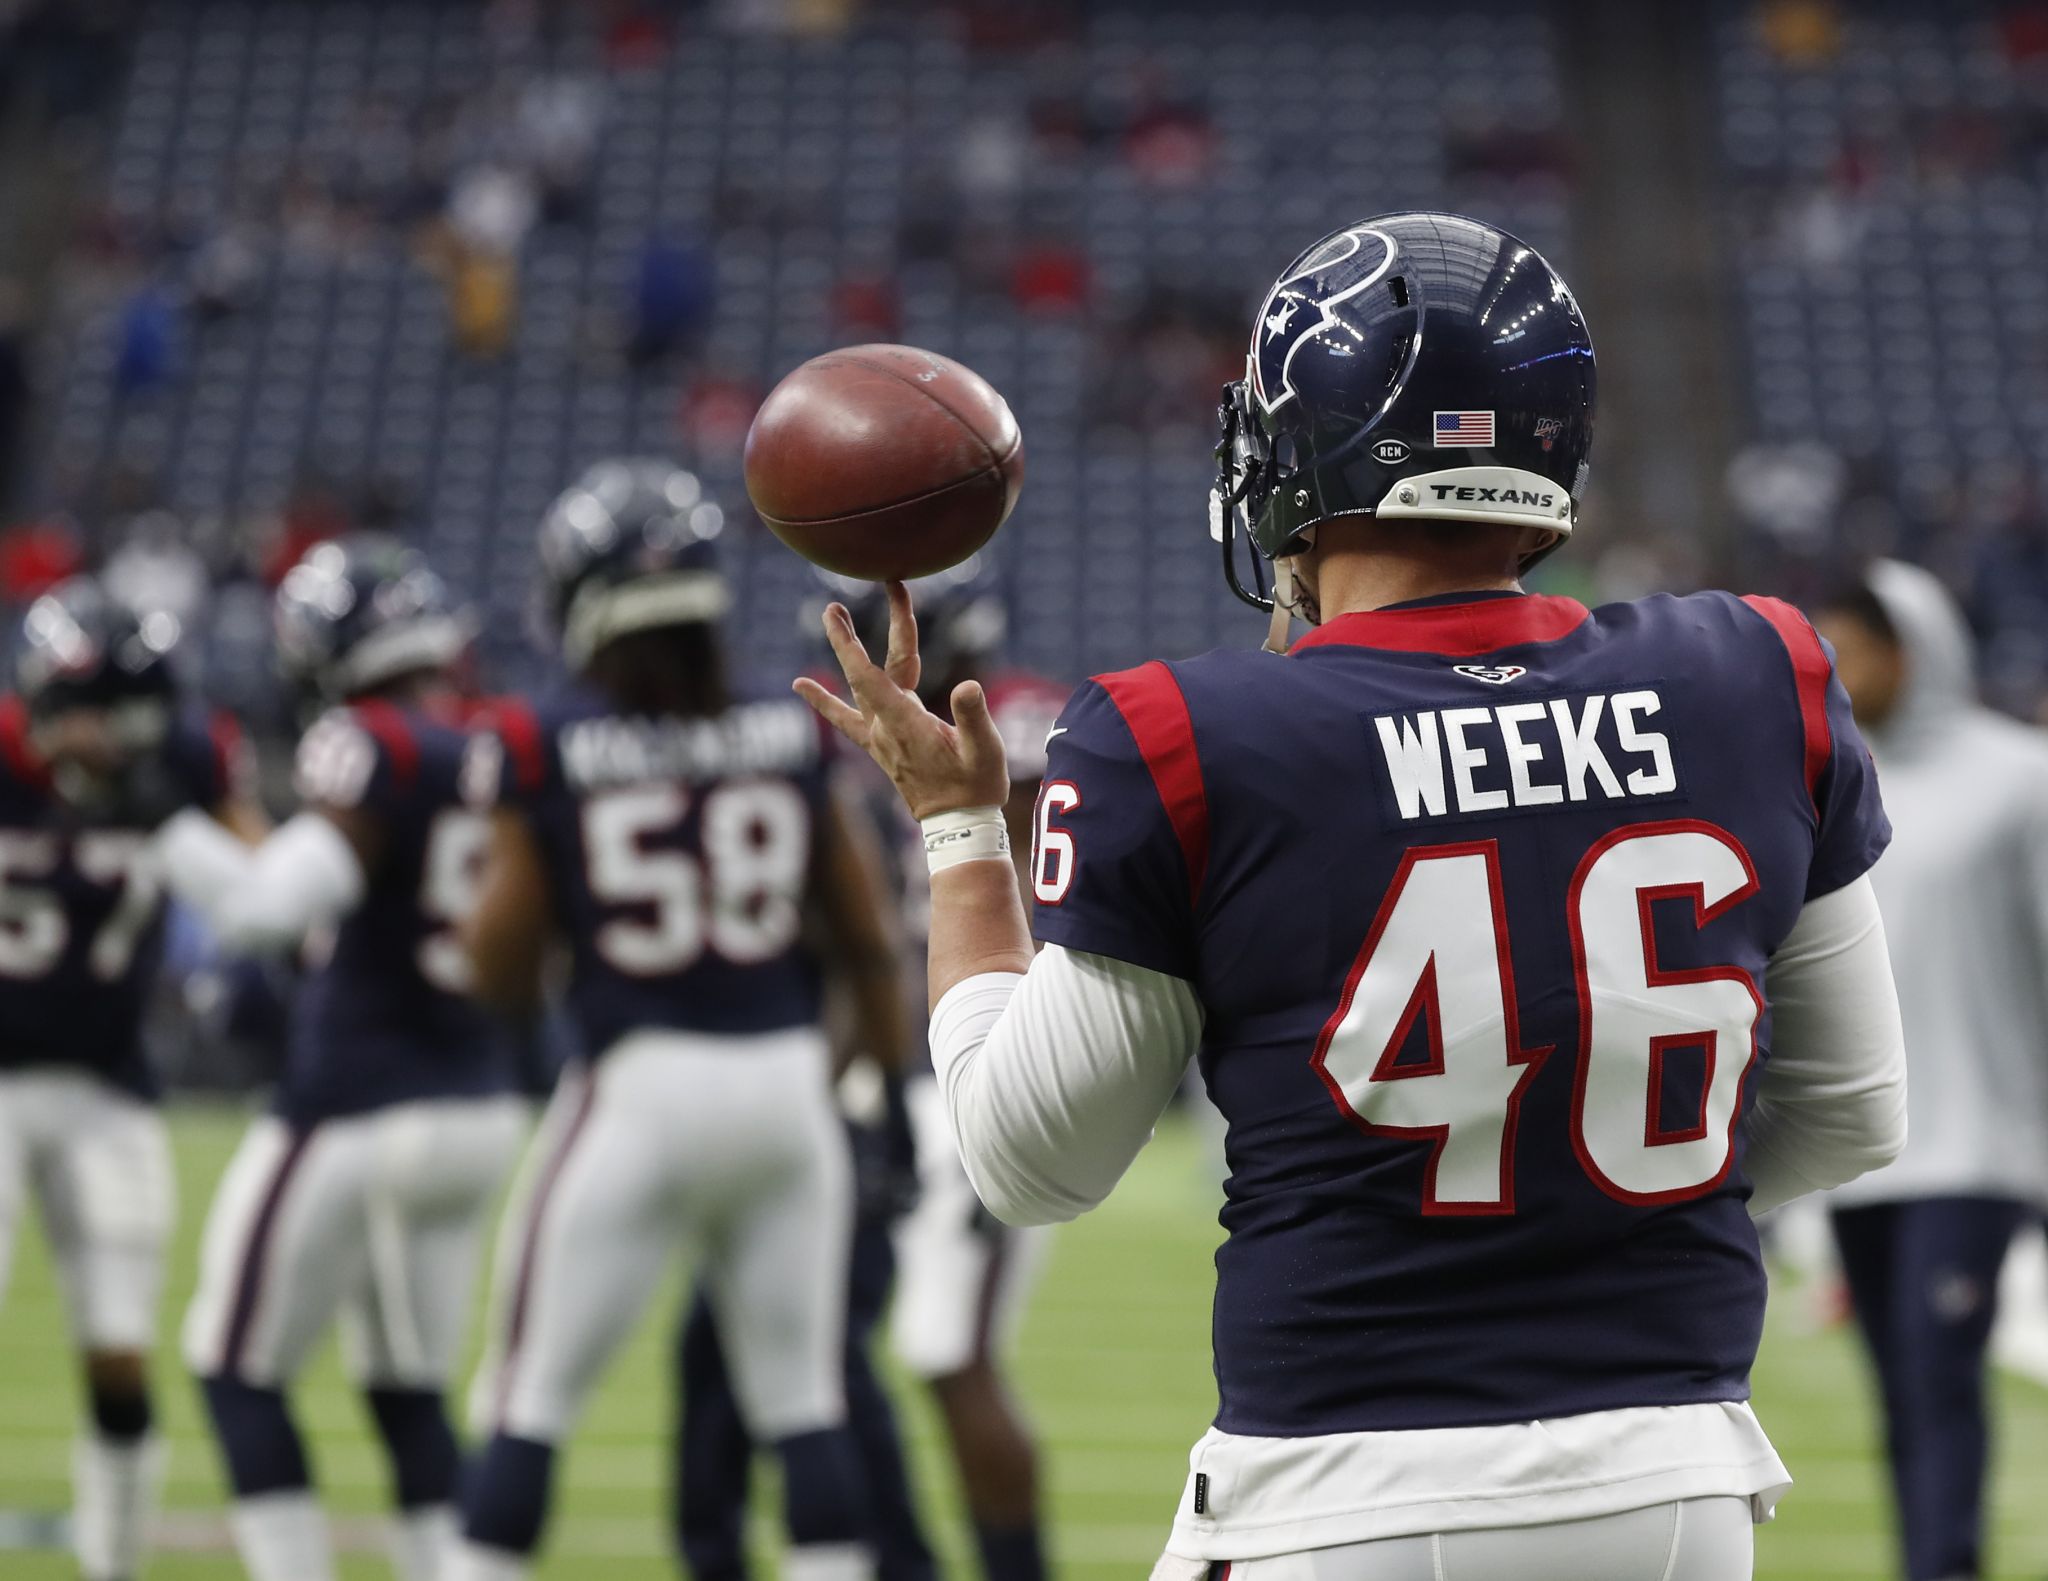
[972,834]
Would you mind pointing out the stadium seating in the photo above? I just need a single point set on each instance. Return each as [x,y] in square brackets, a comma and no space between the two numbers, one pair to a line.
[1890,203]
[795,162]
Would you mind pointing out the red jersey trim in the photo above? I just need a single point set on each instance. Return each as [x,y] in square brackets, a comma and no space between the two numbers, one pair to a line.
[1810,672]
[519,729]
[386,721]
[21,758]
[1156,712]
[1455,631]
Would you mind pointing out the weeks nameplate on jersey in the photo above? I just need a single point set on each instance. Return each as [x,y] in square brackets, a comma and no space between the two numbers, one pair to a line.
[1509,756]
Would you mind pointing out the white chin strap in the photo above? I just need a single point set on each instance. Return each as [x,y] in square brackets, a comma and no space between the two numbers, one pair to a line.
[1504,495]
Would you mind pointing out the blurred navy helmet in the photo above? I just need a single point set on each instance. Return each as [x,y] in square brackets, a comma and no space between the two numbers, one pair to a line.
[961,618]
[1410,366]
[357,613]
[83,649]
[628,546]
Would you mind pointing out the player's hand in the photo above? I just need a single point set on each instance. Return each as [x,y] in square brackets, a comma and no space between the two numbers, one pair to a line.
[935,766]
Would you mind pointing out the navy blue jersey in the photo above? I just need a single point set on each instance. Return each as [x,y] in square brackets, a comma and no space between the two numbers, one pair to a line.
[679,855]
[81,911]
[381,1017]
[1477,895]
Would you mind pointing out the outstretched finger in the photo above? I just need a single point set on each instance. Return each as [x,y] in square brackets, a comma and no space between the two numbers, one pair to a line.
[860,671]
[835,711]
[903,664]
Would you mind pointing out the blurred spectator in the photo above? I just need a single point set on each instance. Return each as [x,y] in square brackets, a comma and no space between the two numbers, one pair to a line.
[715,412]
[491,208]
[2023,30]
[156,570]
[674,293]
[558,125]
[483,299]
[224,273]
[1171,142]
[35,556]
[1801,33]
[1790,492]
[865,306]
[1050,277]
[636,37]
[990,156]
[314,512]
[148,334]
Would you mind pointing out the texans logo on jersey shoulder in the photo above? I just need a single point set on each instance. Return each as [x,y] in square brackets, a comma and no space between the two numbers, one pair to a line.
[1493,674]
[1304,304]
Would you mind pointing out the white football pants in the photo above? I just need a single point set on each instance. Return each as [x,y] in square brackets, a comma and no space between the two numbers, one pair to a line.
[97,1160]
[376,1220]
[1691,1540]
[962,1278]
[726,1152]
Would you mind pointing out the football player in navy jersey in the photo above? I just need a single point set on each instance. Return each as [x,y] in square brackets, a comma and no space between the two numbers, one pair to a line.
[97,761]
[363,1197]
[1526,950]
[961,1277]
[675,839]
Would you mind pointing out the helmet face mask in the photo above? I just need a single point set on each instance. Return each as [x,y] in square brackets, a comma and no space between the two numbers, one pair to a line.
[1421,366]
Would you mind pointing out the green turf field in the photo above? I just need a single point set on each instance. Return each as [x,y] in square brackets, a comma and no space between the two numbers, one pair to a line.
[1114,1363]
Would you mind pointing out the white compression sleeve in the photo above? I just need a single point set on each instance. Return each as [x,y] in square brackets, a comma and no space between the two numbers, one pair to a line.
[304,875]
[201,861]
[1053,1079]
[1832,1101]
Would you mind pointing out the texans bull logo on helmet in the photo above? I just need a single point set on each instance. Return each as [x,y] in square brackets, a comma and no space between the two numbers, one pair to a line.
[1307,303]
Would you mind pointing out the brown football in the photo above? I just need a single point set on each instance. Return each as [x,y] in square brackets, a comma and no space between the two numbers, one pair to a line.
[884,462]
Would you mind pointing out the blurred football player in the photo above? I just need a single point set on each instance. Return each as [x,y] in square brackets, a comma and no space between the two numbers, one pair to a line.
[713,1483]
[961,1275]
[676,839]
[97,758]
[1525,949]
[363,1197]
[1965,899]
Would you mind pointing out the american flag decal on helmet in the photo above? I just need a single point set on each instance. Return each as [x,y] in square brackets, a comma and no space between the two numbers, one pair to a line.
[1455,429]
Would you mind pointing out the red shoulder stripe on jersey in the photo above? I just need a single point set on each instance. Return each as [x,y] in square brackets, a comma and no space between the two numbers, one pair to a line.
[1150,700]
[1810,671]
[22,759]
[519,729]
[386,721]
[1456,631]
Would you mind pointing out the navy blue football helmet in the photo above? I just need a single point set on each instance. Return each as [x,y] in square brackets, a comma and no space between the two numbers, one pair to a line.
[1410,366]
[629,546]
[961,618]
[81,648]
[357,613]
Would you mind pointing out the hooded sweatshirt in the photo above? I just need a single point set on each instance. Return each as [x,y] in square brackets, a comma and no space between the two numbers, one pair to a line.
[1964,894]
